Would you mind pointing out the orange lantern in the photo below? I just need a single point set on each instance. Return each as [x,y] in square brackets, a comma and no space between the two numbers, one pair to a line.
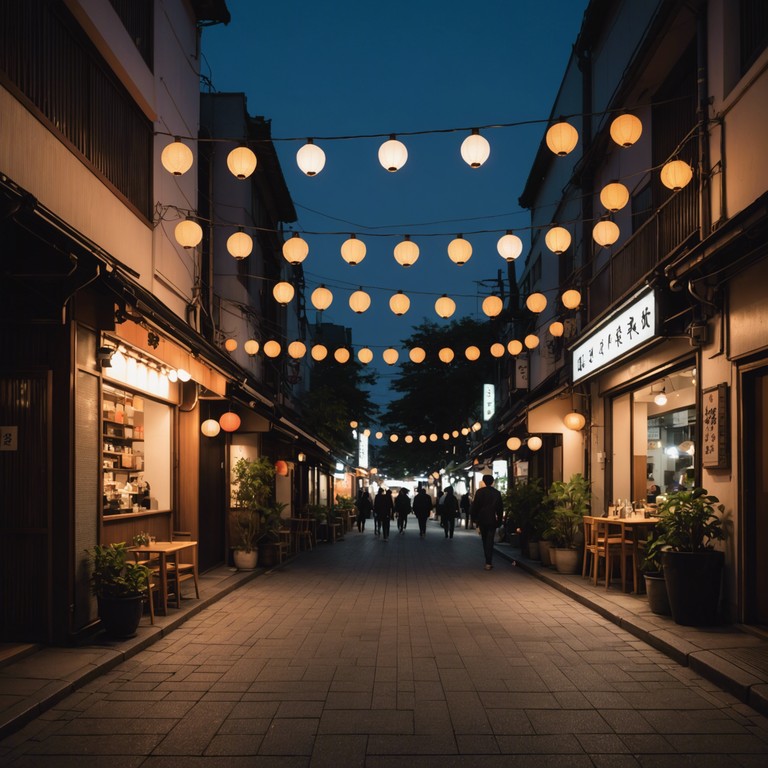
[229,421]
[281,468]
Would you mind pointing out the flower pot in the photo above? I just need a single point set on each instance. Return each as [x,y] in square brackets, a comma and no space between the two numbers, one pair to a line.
[693,585]
[120,616]
[246,561]
[533,550]
[545,548]
[656,589]
[567,560]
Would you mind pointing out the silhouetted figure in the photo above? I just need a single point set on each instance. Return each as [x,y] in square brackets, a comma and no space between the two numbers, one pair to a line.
[382,509]
[364,508]
[449,511]
[402,509]
[422,506]
[464,505]
[487,512]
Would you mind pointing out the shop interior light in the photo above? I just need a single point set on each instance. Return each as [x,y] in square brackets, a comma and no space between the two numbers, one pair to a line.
[661,397]
[475,149]
[310,158]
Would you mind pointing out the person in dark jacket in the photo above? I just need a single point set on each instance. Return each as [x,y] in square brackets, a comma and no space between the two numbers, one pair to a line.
[449,511]
[464,505]
[382,509]
[487,512]
[364,508]
[402,509]
[422,506]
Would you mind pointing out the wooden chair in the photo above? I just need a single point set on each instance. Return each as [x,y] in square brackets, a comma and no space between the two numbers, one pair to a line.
[282,546]
[153,588]
[609,546]
[178,572]
[589,560]
[304,534]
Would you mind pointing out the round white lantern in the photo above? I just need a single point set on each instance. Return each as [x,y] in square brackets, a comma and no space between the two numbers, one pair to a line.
[571,298]
[605,233]
[342,355]
[406,252]
[445,306]
[531,341]
[297,349]
[509,246]
[626,130]
[459,250]
[365,355]
[390,356]
[492,306]
[515,347]
[475,149]
[240,244]
[446,355]
[535,443]
[251,347]
[676,174]
[272,348]
[177,157]
[574,421]
[536,302]
[230,345]
[241,162]
[514,443]
[392,154]
[417,355]
[562,138]
[319,352]
[321,298]
[295,249]
[359,301]
[472,353]
[497,349]
[353,250]
[188,233]
[210,427]
[310,158]
[614,196]
[556,329]
[399,303]
[283,292]
[558,239]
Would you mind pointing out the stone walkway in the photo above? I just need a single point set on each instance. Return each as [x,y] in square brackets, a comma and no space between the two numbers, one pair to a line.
[368,653]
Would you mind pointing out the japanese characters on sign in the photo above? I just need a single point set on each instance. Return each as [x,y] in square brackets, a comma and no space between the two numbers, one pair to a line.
[627,329]
[9,438]
[489,401]
[362,442]
[714,436]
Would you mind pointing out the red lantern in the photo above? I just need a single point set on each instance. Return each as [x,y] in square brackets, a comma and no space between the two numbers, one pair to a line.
[229,421]
[281,468]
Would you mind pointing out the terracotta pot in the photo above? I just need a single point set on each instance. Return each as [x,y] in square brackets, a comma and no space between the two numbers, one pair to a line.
[567,560]
[246,561]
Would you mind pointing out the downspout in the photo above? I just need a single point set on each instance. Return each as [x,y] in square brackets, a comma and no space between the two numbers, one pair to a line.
[702,82]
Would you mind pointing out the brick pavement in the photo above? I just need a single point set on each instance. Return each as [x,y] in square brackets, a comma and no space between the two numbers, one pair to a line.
[368,653]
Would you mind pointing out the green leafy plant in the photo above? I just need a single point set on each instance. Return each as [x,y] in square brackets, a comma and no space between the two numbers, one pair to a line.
[272,520]
[525,509]
[114,574]
[570,502]
[252,487]
[688,522]
[140,539]
[319,512]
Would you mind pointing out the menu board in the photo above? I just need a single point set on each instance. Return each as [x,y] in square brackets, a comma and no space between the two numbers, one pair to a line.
[714,438]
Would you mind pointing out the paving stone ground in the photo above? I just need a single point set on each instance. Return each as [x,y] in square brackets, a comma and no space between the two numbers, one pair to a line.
[378,654]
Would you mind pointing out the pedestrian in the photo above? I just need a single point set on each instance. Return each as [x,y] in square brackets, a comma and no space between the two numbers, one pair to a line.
[449,511]
[422,506]
[382,509]
[391,504]
[487,512]
[364,507]
[464,507]
[403,509]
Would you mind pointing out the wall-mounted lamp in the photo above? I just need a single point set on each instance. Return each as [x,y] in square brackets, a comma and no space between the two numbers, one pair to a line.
[302,457]
[574,420]
[104,356]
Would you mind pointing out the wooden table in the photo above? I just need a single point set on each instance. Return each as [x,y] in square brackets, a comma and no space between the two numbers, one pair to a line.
[166,551]
[629,529]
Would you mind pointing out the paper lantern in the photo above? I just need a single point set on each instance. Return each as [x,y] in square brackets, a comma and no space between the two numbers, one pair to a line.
[241,162]
[497,349]
[319,352]
[281,468]
[556,329]
[183,374]
[251,347]
[574,421]
[390,356]
[475,149]
[626,130]
[342,355]
[297,349]
[409,438]
[417,355]
[188,233]
[459,250]
[399,303]
[446,354]
[365,355]
[283,292]
[272,348]
[455,433]
[423,438]
[509,246]
[614,196]
[531,341]
[321,298]
[445,306]
[393,154]
[605,233]
[536,302]
[571,298]
[394,438]
[229,421]
[367,432]
[477,426]
[240,244]
[295,249]
[676,174]
[379,435]
[359,301]
[558,239]
[562,138]
[353,250]
[472,353]
[230,345]
[492,306]
[177,157]
[310,158]
[465,431]
[353,424]
[514,347]
[446,436]
[406,252]
[433,438]
[535,443]
[514,443]
[210,427]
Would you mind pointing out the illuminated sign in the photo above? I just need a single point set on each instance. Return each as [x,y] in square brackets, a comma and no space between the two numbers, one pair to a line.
[629,328]
[362,446]
[489,401]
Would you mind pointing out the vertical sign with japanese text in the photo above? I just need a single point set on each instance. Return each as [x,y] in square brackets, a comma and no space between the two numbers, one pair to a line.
[714,436]
[489,401]
[9,438]
[362,443]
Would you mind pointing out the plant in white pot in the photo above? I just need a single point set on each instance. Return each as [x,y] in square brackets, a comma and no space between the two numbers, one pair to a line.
[252,481]
[570,502]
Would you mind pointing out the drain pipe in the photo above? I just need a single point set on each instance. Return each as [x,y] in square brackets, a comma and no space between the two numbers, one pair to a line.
[702,83]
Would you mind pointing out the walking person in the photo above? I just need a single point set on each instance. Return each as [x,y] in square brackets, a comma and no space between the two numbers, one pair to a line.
[403,509]
[449,511]
[422,506]
[487,512]
[382,509]
[364,507]
[464,505]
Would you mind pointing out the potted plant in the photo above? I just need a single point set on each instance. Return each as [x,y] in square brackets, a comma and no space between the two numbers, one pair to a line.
[526,513]
[120,585]
[271,523]
[653,575]
[688,527]
[570,502]
[252,486]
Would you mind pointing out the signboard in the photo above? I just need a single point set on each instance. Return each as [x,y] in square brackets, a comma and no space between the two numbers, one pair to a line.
[489,401]
[9,438]
[521,373]
[362,446]
[714,438]
[626,329]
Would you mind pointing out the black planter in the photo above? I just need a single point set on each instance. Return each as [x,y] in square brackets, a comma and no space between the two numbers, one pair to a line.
[656,589]
[693,585]
[120,616]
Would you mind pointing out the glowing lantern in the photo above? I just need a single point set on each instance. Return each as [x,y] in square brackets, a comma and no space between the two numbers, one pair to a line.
[183,375]
[445,306]
[477,426]
[229,421]
[445,354]
[394,438]
[177,157]
[433,438]
[536,302]
[514,347]
[230,345]
[422,438]
[605,233]
[295,249]
[497,349]
[556,329]
[531,341]
[465,431]
[514,443]
[281,468]
[342,355]
[534,443]
[353,424]
[251,347]
[446,436]
[571,298]
[492,306]
[459,250]
[188,233]
[321,298]
[574,421]
[399,303]
[409,438]
[240,244]
[210,427]
[676,174]
[379,435]
[353,250]
[509,246]
[558,239]
[472,353]
[359,301]
[406,252]
[562,138]
[365,355]
[392,154]
[283,292]
[626,130]
[455,433]
[475,149]
[297,349]
[272,348]
[417,355]
[310,158]
[390,356]
[614,196]
[241,162]
[319,352]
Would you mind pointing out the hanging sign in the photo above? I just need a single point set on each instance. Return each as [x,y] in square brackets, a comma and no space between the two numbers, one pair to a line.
[628,328]
[9,438]
[714,438]
[489,401]
[362,446]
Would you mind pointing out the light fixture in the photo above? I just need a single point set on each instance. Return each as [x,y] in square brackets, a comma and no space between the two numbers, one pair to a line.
[310,158]
[399,303]
[230,345]
[562,138]
[295,249]
[574,421]
[446,355]
[359,301]
[367,432]
[241,162]
[297,349]
[353,250]
[492,306]
[406,252]
[342,355]
[408,438]
[459,250]
[365,355]
[183,374]
[104,356]
[557,239]
[661,397]
[281,468]
[497,349]
[177,157]
[240,244]
[676,174]
[210,427]
[514,347]
[229,421]
[188,233]
[272,348]
[514,443]
[509,246]
[445,306]
[319,352]
[531,341]
[379,435]
[605,233]
[626,130]
[477,426]
[556,329]
[475,149]
[321,298]
[251,347]
[433,438]
[536,302]
[392,154]
[534,443]
[472,353]
[417,355]
[423,438]
[455,433]
[301,458]
[571,298]
[614,196]
[390,356]
[283,292]
[394,438]
[353,424]
[465,431]
[173,376]
[446,436]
